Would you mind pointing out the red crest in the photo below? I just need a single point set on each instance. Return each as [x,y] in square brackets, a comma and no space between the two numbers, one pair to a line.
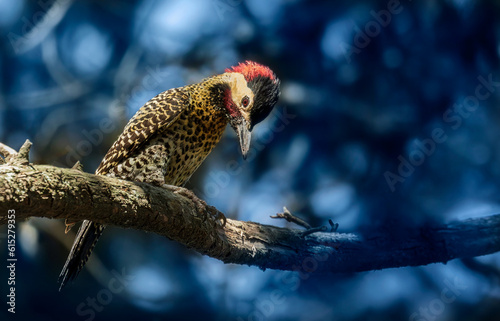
[251,70]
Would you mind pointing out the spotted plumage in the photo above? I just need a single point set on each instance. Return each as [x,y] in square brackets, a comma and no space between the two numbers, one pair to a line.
[172,134]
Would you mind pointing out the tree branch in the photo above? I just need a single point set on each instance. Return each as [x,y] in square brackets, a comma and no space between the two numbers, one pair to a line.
[47,191]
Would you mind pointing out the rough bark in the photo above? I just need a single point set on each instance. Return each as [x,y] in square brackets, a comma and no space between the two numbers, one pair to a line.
[51,192]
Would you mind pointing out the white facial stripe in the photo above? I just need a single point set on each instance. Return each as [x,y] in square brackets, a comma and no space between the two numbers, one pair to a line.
[239,89]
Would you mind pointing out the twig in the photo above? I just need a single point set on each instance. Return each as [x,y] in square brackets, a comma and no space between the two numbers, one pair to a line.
[78,166]
[291,218]
[333,226]
[24,153]
[16,158]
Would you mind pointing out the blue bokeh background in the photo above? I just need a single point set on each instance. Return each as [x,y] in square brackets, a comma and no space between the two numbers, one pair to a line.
[365,84]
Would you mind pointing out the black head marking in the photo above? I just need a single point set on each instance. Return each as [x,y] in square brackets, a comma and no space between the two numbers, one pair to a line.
[266,93]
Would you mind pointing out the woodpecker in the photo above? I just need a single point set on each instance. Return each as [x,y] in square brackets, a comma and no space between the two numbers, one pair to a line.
[172,134]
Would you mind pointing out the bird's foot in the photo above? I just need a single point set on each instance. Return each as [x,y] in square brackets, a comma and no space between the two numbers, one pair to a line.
[200,204]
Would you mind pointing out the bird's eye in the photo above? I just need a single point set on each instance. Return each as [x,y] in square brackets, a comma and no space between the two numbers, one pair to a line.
[245,101]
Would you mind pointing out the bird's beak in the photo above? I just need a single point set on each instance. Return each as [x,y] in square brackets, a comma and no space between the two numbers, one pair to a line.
[242,129]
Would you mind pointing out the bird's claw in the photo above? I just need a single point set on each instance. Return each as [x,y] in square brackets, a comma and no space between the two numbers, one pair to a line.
[219,217]
[200,204]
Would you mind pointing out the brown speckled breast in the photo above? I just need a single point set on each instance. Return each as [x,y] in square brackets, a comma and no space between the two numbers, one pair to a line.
[189,141]
[172,153]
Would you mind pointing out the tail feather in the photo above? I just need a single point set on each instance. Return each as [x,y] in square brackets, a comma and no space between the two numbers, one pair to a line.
[85,240]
